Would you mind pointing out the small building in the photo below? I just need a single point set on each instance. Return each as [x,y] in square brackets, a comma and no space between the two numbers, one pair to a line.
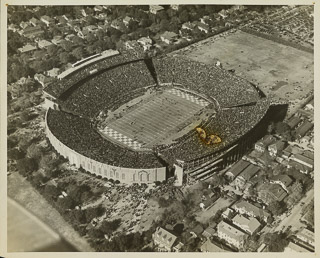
[57,40]
[188,26]
[27,49]
[42,79]
[126,20]
[306,236]
[118,25]
[271,192]
[294,121]
[145,42]
[174,7]
[231,235]
[262,145]
[203,27]
[168,37]
[228,213]
[303,160]
[32,32]
[208,246]
[163,240]
[236,169]
[209,231]
[276,148]
[300,167]
[293,247]
[98,8]
[35,22]
[246,175]
[155,9]
[44,44]
[244,207]
[284,180]
[54,72]
[302,130]
[249,225]
[47,20]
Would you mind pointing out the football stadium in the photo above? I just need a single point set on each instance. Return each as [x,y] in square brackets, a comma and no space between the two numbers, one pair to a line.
[143,120]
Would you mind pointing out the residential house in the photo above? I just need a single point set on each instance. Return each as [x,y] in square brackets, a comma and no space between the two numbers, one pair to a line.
[27,49]
[69,37]
[244,207]
[168,37]
[23,25]
[98,8]
[47,20]
[276,148]
[208,246]
[32,32]
[283,180]
[300,167]
[188,26]
[303,160]
[13,27]
[57,40]
[126,20]
[44,44]
[245,175]
[155,9]
[306,236]
[209,231]
[54,72]
[62,20]
[294,121]
[163,240]
[203,27]
[271,192]
[262,145]
[35,22]
[223,14]
[302,130]
[249,225]
[89,29]
[42,79]
[293,247]
[231,235]
[118,25]
[310,105]
[236,169]
[178,247]
[145,42]
[132,44]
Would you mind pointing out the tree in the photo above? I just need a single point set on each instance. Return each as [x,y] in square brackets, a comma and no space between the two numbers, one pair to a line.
[16,154]
[78,53]
[275,208]
[184,16]
[108,227]
[52,50]
[35,151]
[52,191]
[26,166]
[65,57]
[93,212]
[163,202]
[66,203]
[276,242]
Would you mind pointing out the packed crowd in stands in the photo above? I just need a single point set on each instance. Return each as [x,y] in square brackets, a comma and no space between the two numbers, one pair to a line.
[229,124]
[57,88]
[100,92]
[77,133]
[227,89]
[118,85]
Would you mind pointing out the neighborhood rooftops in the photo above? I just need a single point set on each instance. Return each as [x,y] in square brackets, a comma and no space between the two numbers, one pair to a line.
[237,168]
[251,210]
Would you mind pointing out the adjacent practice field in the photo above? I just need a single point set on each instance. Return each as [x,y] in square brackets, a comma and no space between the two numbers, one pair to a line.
[275,68]
[152,122]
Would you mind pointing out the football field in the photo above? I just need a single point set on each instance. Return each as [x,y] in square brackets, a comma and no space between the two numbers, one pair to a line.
[150,123]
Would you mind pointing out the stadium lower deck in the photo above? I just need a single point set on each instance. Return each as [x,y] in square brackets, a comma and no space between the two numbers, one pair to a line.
[150,123]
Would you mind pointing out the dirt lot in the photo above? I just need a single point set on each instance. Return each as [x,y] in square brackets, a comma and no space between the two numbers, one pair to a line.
[275,68]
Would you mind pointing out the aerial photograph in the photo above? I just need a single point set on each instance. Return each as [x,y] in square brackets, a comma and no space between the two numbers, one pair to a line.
[160,128]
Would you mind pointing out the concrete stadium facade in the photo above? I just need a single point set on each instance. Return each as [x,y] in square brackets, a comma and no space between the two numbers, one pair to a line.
[124,175]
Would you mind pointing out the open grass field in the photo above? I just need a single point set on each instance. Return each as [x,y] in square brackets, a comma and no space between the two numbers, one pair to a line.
[282,70]
[152,122]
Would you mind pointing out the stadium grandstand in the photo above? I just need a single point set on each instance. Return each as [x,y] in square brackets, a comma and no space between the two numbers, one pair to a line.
[135,120]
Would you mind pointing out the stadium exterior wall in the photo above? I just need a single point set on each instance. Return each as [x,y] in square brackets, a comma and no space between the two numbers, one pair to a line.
[124,175]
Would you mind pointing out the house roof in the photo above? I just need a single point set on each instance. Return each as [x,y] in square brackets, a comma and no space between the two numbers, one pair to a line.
[248,224]
[169,35]
[279,145]
[295,248]
[294,121]
[27,48]
[307,235]
[231,231]
[197,229]
[303,159]
[208,246]
[304,128]
[44,43]
[275,190]
[299,166]
[249,172]
[250,208]
[266,140]
[165,237]
[284,179]
[238,167]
